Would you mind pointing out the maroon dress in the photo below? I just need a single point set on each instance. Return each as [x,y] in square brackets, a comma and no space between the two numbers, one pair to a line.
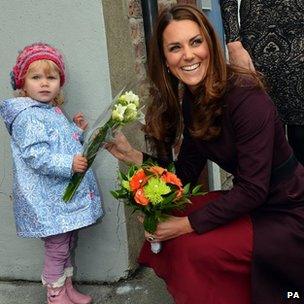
[248,244]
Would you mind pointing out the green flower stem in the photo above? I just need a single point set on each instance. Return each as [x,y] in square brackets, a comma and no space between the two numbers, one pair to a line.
[72,186]
[150,223]
[90,152]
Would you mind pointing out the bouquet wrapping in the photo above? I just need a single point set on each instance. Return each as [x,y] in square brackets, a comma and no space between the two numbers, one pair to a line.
[123,110]
[155,191]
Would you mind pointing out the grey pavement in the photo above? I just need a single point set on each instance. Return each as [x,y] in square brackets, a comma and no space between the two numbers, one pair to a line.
[143,288]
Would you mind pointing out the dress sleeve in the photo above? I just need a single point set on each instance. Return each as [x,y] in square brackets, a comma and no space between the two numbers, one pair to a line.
[229,10]
[30,135]
[253,123]
[190,162]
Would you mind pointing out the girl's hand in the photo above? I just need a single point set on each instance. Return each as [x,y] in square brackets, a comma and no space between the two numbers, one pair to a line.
[239,56]
[80,121]
[169,229]
[122,150]
[80,164]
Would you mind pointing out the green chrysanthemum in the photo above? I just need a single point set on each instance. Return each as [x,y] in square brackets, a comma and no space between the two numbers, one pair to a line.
[154,190]
[126,184]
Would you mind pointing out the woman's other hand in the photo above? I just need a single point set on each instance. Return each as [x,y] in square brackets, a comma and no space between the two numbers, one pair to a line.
[238,56]
[122,150]
[169,229]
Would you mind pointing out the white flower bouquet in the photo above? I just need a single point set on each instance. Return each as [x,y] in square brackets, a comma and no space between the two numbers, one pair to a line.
[123,110]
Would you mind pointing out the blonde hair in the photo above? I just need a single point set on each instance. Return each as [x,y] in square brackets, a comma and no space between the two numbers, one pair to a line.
[48,67]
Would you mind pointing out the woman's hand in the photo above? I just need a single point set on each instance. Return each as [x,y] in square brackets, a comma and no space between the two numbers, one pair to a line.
[80,121]
[239,56]
[122,150]
[169,229]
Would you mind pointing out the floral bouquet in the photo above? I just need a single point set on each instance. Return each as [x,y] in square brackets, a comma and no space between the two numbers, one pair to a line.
[123,110]
[154,191]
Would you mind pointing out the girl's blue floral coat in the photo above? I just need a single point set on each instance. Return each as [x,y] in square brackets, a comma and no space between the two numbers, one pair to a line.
[43,145]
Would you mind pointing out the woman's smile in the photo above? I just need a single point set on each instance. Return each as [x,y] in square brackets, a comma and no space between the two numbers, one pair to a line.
[190,68]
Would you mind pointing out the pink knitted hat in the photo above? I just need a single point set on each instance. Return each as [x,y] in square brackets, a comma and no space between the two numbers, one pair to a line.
[31,53]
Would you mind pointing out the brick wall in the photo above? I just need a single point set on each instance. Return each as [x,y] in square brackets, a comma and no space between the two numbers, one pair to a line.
[165,3]
[137,36]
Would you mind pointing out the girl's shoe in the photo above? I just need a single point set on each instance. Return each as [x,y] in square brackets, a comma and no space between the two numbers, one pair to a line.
[75,296]
[58,295]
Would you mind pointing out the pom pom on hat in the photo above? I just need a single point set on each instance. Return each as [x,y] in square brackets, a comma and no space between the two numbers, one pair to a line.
[31,53]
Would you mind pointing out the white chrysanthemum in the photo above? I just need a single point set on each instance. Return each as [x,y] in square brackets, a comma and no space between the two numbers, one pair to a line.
[131,107]
[118,112]
[130,114]
[132,98]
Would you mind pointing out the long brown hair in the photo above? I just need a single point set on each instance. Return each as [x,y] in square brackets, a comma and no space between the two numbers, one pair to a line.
[164,118]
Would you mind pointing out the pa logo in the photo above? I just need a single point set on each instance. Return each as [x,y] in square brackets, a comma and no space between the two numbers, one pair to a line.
[293,295]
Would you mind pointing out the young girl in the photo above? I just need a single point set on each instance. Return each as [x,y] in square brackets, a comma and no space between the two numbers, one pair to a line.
[46,152]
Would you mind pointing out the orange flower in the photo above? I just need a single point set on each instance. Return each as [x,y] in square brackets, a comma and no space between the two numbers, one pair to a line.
[140,197]
[157,170]
[171,178]
[138,180]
